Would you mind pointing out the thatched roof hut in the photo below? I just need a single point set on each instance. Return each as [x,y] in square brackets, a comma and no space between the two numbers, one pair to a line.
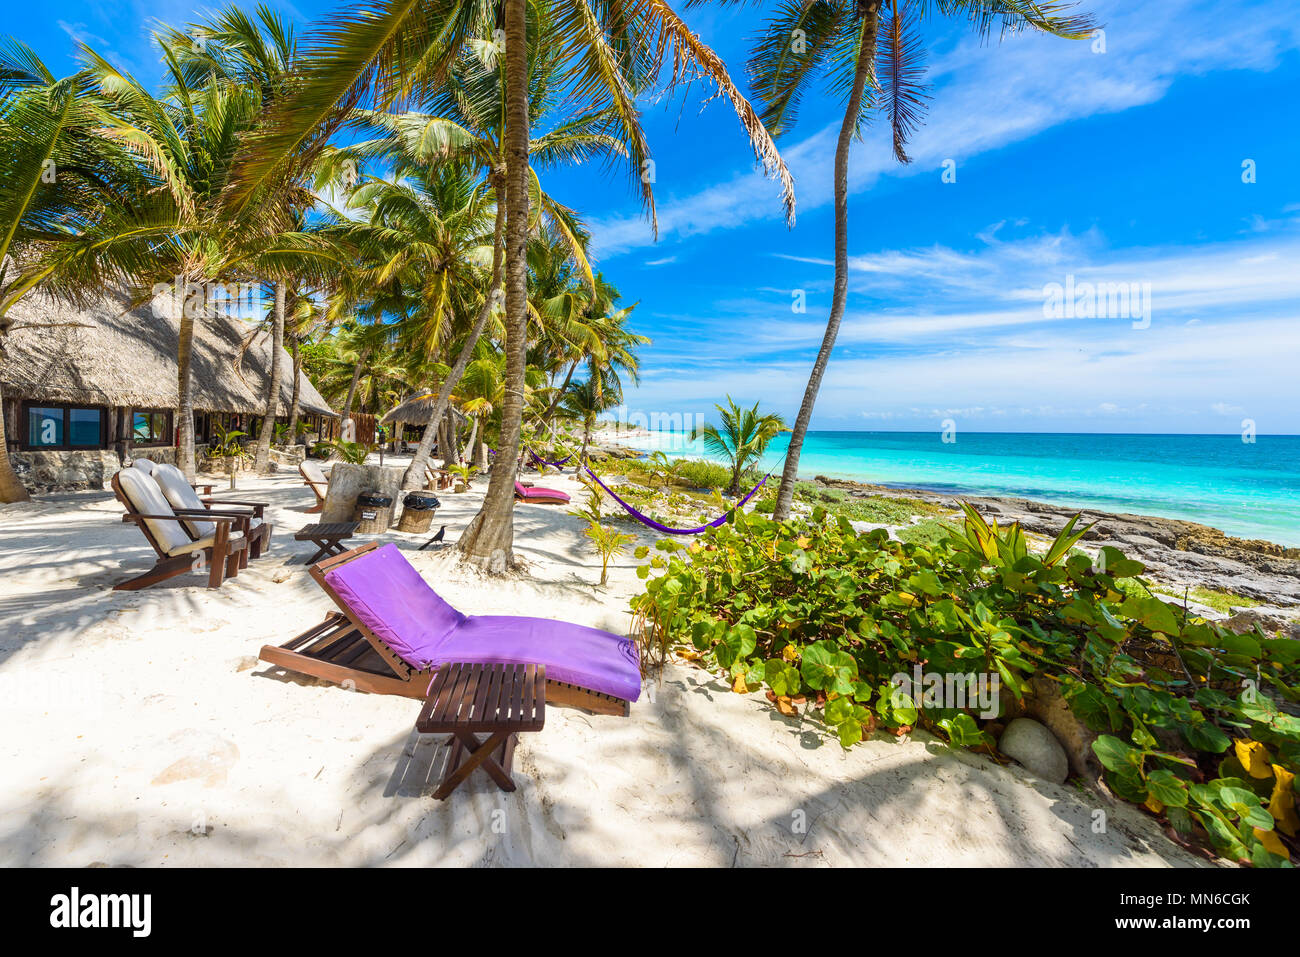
[416,410]
[111,356]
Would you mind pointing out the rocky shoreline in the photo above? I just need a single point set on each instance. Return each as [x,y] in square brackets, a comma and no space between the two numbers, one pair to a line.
[1179,553]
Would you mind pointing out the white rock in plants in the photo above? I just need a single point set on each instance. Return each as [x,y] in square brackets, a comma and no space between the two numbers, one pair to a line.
[1036,749]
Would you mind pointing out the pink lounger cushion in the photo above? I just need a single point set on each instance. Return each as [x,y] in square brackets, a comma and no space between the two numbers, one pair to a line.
[388,596]
[526,493]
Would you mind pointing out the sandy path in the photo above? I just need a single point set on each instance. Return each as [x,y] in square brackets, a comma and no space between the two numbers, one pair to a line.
[140,729]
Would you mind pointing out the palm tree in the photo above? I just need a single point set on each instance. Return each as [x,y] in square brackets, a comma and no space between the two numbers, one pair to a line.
[424,240]
[585,401]
[172,230]
[469,128]
[259,55]
[840,38]
[743,438]
[59,181]
[304,320]
[609,53]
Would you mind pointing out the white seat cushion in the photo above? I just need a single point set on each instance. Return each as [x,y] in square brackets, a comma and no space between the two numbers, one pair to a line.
[312,472]
[202,543]
[144,465]
[147,498]
[181,494]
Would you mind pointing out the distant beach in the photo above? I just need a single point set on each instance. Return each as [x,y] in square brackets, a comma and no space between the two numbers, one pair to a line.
[1247,489]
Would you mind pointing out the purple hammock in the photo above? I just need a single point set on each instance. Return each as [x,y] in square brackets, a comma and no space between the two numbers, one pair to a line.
[554,465]
[650,522]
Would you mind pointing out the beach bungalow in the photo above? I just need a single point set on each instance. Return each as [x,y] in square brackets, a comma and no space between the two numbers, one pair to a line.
[88,389]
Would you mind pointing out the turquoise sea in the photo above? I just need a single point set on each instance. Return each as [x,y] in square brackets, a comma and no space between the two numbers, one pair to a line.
[1247,489]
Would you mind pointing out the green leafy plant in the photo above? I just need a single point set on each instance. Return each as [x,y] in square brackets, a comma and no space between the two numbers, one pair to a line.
[607,542]
[354,453]
[228,449]
[1194,722]
[462,471]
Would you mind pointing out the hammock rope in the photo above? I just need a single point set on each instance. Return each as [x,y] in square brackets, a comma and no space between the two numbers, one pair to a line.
[651,523]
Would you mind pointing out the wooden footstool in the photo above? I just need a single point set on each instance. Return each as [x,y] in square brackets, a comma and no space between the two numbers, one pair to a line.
[499,700]
[328,536]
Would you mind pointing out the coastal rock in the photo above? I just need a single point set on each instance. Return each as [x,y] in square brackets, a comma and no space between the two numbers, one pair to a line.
[1036,749]
[1270,618]
[1046,704]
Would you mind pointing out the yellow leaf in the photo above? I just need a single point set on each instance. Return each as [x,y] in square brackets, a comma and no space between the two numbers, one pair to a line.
[1154,806]
[789,653]
[907,598]
[803,541]
[784,705]
[1282,806]
[739,686]
[1253,757]
[690,654]
[1272,843]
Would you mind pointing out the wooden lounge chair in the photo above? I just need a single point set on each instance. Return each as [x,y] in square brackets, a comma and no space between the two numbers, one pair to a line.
[148,466]
[224,551]
[539,496]
[314,478]
[387,638]
[183,496]
[438,479]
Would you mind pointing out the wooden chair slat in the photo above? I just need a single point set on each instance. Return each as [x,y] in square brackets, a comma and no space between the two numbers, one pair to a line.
[516,694]
[482,704]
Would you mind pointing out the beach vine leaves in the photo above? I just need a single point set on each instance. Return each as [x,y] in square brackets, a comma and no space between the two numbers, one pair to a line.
[1194,723]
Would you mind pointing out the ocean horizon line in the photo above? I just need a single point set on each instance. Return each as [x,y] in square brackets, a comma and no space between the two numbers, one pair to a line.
[1208,435]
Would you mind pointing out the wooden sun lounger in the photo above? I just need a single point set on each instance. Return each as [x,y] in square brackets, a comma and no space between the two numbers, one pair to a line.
[343,650]
[224,557]
[319,486]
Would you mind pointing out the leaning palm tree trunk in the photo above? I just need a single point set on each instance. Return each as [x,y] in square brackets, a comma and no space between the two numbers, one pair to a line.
[489,538]
[295,403]
[865,70]
[451,451]
[185,392]
[352,389]
[414,477]
[262,458]
[11,487]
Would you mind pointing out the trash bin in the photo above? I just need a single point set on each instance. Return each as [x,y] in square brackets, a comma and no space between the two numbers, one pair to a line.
[417,512]
[374,512]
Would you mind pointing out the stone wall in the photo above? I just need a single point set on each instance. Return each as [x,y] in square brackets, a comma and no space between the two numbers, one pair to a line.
[289,456]
[62,471]
[163,454]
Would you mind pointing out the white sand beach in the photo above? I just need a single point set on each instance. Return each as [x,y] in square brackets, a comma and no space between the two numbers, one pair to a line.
[141,730]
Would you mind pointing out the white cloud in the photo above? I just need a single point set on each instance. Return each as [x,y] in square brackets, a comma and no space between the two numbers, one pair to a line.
[970,338]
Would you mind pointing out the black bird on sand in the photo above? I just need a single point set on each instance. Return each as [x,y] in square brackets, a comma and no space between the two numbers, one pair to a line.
[436,538]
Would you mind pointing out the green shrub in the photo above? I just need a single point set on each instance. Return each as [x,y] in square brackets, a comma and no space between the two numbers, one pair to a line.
[929,532]
[1187,713]
[699,473]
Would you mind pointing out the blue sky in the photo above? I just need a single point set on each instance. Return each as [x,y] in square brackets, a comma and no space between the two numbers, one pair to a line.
[1122,166]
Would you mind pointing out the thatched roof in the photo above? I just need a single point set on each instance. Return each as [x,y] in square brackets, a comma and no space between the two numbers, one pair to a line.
[103,355]
[416,410]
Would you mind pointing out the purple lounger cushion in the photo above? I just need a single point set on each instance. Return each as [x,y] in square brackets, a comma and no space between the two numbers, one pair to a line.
[389,597]
[575,654]
[548,493]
